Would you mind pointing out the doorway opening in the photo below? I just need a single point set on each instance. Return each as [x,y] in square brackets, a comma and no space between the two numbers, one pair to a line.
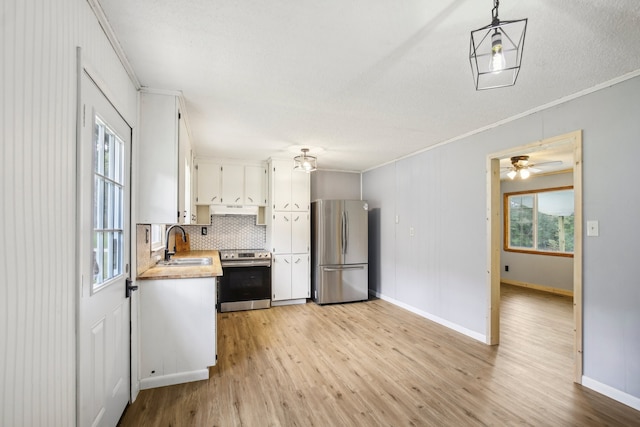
[573,142]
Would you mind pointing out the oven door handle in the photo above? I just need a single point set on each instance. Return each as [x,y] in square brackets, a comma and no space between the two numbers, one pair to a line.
[262,263]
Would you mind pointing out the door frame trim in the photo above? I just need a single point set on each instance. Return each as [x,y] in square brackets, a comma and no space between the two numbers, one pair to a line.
[494,227]
[81,69]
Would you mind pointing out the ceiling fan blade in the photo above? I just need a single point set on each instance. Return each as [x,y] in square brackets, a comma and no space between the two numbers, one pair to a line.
[551,163]
[534,170]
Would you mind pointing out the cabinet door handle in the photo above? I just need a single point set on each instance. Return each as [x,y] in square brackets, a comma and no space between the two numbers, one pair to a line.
[237,199]
[250,199]
[298,260]
[287,261]
[213,198]
[286,219]
[297,205]
[285,206]
[297,218]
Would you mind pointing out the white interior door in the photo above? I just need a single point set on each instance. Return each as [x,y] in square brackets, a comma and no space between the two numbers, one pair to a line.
[104,150]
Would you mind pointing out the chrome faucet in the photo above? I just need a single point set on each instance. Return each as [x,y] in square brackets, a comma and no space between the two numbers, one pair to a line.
[167,254]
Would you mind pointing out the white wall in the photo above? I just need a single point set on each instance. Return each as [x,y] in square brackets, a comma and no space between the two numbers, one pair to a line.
[534,269]
[441,193]
[37,257]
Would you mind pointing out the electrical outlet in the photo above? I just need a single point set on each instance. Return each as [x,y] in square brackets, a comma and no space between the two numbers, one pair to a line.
[203,230]
[506,268]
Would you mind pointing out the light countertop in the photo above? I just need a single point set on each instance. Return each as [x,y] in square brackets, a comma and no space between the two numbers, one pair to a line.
[186,272]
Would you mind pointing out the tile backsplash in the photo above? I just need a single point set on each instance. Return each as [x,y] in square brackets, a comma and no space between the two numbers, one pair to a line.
[228,232]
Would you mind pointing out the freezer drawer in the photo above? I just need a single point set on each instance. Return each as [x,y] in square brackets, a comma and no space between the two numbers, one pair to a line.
[340,283]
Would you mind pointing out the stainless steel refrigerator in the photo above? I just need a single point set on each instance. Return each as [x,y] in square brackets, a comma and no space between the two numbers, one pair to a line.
[339,251]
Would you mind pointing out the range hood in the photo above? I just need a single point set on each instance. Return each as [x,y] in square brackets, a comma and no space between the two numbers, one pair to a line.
[233,210]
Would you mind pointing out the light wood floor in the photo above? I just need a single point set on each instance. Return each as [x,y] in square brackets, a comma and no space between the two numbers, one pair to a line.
[374,364]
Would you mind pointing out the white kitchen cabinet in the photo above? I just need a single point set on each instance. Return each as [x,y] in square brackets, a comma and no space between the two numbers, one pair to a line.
[290,190]
[281,233]
[177,330]
[300,232]
[255,185]
[158,154]
[290,277]
[232,185]
[288,232]
[209,183]
[300,191]
[300,276]
[184,175]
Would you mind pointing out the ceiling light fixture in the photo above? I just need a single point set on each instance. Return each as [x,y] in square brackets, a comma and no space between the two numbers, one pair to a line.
[495,52]
[304,162]
[520,166]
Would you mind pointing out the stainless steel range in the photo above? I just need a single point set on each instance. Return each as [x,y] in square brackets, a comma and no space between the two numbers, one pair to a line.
[246,280]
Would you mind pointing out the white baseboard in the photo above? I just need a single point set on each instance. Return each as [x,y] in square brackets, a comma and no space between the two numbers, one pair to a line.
[171,379]
[468,332]
[614,393]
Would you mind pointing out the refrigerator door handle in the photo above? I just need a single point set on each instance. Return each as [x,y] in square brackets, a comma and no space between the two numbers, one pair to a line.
[354,267]
[346,232]
[343,236]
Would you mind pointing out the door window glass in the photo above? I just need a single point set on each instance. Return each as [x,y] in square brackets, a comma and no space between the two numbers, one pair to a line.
[108,205]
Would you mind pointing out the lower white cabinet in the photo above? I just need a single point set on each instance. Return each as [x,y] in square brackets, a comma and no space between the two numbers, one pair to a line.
[290,277]
[177,330]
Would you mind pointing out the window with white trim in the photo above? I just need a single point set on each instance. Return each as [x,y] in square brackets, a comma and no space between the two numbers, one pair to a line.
[540,221]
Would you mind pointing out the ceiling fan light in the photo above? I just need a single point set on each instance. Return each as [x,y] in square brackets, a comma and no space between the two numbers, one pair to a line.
[512,174]
[524,173]
[305,162]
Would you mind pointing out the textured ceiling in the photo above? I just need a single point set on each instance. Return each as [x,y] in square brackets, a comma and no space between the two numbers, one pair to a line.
[361,82]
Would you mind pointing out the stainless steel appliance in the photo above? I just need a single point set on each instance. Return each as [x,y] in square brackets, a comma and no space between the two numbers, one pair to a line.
[246,280]
[339,251]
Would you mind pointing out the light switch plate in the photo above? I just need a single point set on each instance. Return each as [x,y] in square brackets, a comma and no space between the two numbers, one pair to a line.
[593,229]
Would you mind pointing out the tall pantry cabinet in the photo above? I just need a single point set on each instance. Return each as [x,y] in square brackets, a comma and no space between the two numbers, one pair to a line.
[288,232]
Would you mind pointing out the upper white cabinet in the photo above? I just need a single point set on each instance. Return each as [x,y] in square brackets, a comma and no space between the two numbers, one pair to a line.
[290,190]
[185,165]
[255,185]
[231,184]
[209,183]
[160,182]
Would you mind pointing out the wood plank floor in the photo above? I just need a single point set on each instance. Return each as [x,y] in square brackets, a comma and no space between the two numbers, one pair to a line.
[374,364]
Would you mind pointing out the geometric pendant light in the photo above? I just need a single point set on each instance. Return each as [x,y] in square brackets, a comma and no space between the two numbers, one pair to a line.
[495,51]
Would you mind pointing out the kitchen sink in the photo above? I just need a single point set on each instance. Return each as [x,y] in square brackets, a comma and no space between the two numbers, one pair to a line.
[185,262]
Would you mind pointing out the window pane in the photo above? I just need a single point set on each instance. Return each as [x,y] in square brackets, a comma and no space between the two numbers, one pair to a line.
[555,221]
[521,221]
[108,205]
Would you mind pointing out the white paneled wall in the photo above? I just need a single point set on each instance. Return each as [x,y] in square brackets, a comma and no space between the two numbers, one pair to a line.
[37,257]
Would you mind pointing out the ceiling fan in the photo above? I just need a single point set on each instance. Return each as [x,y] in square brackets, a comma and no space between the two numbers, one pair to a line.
[521,167]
